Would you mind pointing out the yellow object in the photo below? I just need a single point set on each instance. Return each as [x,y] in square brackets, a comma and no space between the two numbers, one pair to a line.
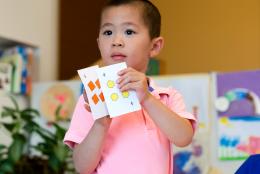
[110,83]
[114,97]
[125,94]
[224,121]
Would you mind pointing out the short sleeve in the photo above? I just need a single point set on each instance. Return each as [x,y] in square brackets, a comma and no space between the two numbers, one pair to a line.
[80,125]
[176,103]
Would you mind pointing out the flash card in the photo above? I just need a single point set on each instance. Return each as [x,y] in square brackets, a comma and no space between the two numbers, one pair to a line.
[94,93]
[117,102]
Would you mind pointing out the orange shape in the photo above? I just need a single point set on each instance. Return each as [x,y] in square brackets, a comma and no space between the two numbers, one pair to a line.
[101,96]
[95,99]
[97,83]
[91,85]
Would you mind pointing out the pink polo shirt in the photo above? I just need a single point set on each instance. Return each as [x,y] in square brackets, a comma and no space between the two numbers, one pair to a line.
[134,144]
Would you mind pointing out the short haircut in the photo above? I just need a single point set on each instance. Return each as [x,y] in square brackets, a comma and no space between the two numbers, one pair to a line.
[151,14]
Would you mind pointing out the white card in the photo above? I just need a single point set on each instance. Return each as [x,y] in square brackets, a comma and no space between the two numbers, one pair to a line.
[94,93]
[118,103]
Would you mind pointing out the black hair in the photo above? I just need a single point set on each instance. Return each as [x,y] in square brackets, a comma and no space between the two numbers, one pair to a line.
[151,14]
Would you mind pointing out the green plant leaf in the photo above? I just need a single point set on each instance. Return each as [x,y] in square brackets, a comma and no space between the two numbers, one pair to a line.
[54,163]
[7,112]
[17,147]
[31,126]
[42,148]
[29,113]
[3,150]
[6,166]
[47,138]
[2,147]
[9,126]
[16,106]
[60,132]
[57,112]
[9,109]
[23,126]
[26,117]
[17,127]
[60,151]
[3,155]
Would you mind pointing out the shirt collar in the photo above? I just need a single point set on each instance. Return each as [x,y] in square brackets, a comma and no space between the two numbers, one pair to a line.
[150,89]
[156,90]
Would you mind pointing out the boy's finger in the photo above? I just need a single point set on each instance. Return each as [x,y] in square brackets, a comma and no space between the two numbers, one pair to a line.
[126,87]
[121,72]
[87,107]
[130,86]
[85,96]
[127,79]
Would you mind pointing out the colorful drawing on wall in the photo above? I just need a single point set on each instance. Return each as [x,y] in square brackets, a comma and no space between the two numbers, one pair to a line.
[58,96]
[195,91]
[238,109]
[55,100]
[192,159]
[235,142]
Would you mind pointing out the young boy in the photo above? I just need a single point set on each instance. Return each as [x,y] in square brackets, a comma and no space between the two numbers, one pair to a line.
[138,142]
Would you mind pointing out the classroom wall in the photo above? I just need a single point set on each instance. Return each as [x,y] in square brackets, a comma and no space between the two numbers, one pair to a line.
[203,36]
[34,22]
[200,36]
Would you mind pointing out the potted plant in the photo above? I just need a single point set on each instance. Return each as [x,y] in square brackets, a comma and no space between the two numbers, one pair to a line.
[18,158]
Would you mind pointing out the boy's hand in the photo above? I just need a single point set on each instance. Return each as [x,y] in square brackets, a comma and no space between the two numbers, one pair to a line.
[104,121]
[86,105]
[130,79]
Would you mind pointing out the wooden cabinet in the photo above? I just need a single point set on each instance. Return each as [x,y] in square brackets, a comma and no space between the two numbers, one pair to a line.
[78,32]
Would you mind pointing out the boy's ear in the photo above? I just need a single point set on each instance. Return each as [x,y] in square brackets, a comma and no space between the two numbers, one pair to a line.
[98,42]
[157,45]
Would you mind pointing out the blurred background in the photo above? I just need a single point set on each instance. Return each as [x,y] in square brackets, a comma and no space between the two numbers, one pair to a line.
[201,36]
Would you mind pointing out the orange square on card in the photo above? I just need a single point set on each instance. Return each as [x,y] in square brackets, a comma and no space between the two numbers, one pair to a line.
[97,83]
[91,86]
[95,99]
[101,96]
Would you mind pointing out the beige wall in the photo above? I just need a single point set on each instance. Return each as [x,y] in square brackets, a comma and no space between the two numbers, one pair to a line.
[202,35]
[35,22]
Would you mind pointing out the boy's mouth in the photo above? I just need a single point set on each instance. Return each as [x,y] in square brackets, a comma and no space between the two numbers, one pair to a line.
[118,56]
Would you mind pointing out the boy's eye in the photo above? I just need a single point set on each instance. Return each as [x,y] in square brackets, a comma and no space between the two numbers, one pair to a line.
[107,32]
[129,32]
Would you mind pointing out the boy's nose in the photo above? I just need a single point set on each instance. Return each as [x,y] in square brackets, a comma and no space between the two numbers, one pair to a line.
[118,42]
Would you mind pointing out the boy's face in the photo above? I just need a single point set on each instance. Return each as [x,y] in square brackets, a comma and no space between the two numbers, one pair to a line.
[123,36]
